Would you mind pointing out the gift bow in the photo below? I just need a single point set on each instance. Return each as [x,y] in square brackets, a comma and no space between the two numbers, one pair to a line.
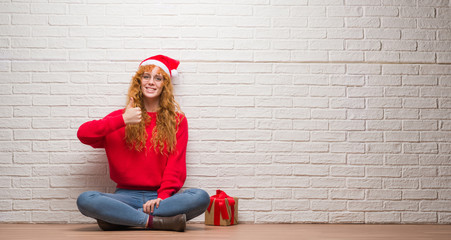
[221,208]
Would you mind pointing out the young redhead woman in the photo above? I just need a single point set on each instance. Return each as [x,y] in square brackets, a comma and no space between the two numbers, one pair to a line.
[145,144]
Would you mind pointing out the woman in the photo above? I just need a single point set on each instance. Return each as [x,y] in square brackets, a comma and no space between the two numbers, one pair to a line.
[146,148]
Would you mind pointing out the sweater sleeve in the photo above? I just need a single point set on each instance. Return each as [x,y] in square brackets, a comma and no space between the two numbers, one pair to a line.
[175,172]
[93,132]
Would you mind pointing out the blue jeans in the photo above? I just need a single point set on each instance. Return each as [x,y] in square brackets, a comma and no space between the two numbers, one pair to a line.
[124,207]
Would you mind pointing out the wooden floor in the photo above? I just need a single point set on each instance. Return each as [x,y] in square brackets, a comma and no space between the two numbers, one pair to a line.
[238,232]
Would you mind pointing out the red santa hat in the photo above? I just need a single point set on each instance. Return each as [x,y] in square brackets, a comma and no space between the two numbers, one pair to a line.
[167,64]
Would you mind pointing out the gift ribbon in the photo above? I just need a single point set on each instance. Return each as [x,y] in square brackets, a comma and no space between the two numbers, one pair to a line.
[221,208]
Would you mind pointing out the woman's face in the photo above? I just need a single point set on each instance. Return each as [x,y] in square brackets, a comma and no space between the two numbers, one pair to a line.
[152,83]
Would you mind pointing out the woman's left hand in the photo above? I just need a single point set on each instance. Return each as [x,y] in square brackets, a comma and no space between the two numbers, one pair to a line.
[150,205]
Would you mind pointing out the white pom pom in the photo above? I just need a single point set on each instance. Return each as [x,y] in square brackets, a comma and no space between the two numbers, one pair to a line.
[174,73]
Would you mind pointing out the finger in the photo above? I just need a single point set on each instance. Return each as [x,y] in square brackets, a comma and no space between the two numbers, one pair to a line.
[131,103]
[152,206]
[147,207]
[144,207]
[158,202]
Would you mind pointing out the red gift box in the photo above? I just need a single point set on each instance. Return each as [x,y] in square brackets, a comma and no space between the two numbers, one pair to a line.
[222,211]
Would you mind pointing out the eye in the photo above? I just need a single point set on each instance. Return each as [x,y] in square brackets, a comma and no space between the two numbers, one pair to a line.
[146,77]
[159,78]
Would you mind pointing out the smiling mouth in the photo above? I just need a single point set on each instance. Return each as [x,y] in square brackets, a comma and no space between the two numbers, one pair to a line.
[150,89]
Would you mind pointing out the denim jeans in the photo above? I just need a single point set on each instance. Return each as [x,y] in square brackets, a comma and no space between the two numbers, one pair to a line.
[124,207]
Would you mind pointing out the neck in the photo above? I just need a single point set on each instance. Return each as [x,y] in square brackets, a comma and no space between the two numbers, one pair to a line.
[151,104]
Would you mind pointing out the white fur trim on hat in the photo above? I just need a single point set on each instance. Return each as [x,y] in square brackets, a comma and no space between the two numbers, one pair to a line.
[174,73]
[157,63]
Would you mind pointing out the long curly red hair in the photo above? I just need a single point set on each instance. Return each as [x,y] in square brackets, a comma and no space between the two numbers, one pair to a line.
[163,137]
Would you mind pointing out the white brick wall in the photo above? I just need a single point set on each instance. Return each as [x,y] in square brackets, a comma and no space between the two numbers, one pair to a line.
[308,111]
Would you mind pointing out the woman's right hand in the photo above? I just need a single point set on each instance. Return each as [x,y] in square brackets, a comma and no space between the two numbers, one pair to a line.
[132,115]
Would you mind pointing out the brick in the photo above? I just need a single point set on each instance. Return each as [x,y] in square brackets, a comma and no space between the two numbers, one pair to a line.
[31,158]
[290,205]
[63,205]
[274,147]
[347,194]
[433,23]
[327,158]
[400,114]
[16,146]
[443,58]
[329,22]
[346,125]
[347,147]
[34,111]
[6,205]
[421,217]
[435,136]
[430,46]
[344,11]
[310,193]
[253,135]
[15,217]
[326,44]
[444,35]
[328,114]
[402,137]
[366,206]
[363,45]
[310,147]
[327,205]
[309,11]
[419,194]
[384,103]
[57,146]
[32,182]
[383,33]
[31,134]
[6,158]
[381,11]
[272,217]
[15,193]
[359,69]
[253,22]
[254,182]
[365,137]
[435,92]
[434,205]
[328,136]
[295,22]
[383,217]
[419,125]
[238,146]
[347,217]
[291,159]
[274,194]
[310,170]
[399,3]
[417,34]
[310,217]
[29,43]
[347,171]
[435,183]
[362,22]
[290,182]
[49,217]
[364,183]
[6,135]
[255,205]
[328,183]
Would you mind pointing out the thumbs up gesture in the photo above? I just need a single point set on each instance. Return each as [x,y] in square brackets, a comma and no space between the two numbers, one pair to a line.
[132,115]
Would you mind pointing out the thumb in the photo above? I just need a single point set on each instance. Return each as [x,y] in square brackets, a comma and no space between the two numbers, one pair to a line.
[131,103]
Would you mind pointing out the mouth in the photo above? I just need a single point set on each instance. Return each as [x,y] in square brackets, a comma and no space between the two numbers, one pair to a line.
[150,89]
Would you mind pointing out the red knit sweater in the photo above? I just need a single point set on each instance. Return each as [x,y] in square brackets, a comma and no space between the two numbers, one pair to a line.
[130,169]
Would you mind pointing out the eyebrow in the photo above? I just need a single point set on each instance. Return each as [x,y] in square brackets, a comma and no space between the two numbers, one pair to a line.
[158,74]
